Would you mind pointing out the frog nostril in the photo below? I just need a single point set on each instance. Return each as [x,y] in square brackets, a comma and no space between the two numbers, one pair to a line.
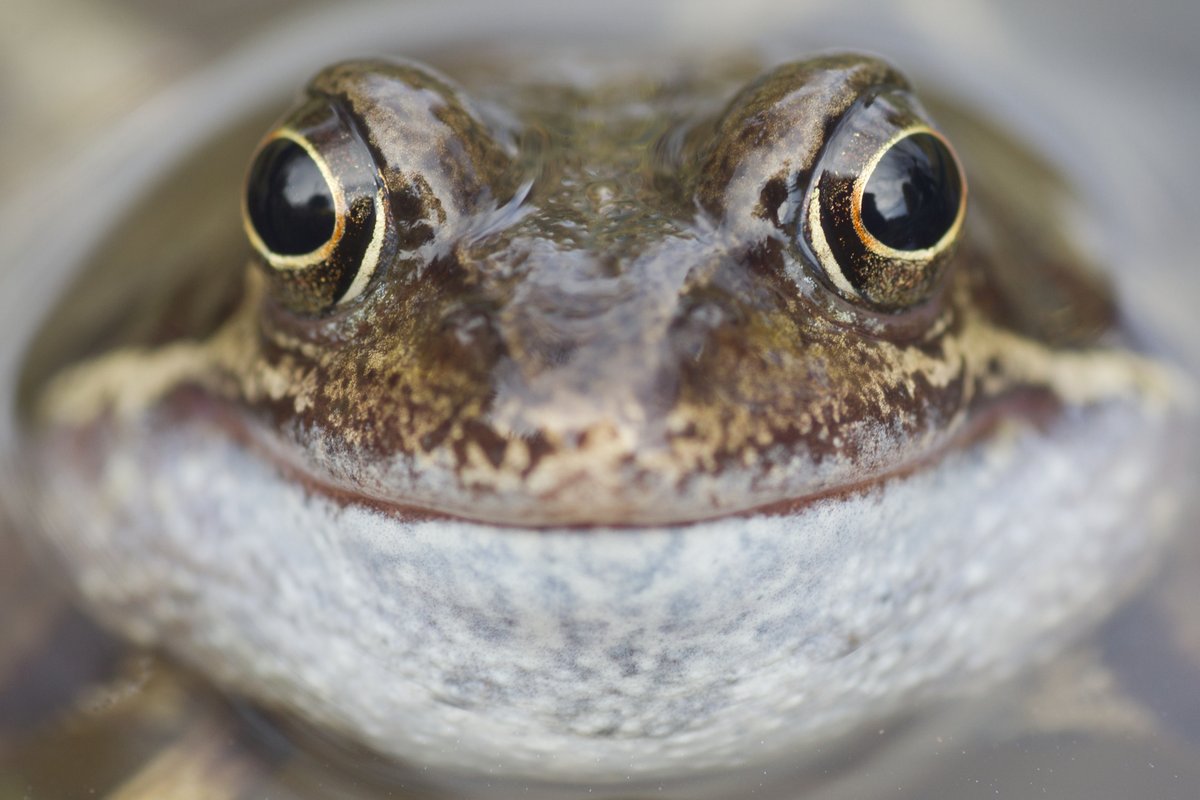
[774,194]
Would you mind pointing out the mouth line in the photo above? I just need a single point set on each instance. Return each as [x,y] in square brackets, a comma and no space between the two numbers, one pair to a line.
[1036,408]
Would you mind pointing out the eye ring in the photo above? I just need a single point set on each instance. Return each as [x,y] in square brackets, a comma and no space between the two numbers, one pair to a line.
[869,239]
[889,264]
[315,210]
[292,261]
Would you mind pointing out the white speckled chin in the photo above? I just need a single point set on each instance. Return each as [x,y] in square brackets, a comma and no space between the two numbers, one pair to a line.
[591,656]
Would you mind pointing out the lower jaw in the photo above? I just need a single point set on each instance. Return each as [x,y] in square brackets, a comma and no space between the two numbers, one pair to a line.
[612,654]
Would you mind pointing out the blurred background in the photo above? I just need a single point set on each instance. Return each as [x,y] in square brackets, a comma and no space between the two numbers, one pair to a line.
[71,67]
[1106,89]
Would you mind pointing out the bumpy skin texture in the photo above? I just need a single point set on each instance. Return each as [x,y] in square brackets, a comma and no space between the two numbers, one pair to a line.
[512,502]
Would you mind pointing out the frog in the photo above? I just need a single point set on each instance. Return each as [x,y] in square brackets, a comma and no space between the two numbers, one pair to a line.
[616,431]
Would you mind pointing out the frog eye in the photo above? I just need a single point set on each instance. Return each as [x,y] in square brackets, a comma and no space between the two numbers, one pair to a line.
[315,211]
[290,201]
[885,205]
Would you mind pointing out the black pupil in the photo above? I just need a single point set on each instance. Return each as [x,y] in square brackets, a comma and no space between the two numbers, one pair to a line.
[290,204]
[912,197]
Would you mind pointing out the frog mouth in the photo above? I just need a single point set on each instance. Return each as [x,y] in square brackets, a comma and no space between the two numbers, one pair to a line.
[1026,409]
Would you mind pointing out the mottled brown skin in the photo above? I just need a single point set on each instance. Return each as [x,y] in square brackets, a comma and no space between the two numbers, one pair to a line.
[576,287]
[603,286]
